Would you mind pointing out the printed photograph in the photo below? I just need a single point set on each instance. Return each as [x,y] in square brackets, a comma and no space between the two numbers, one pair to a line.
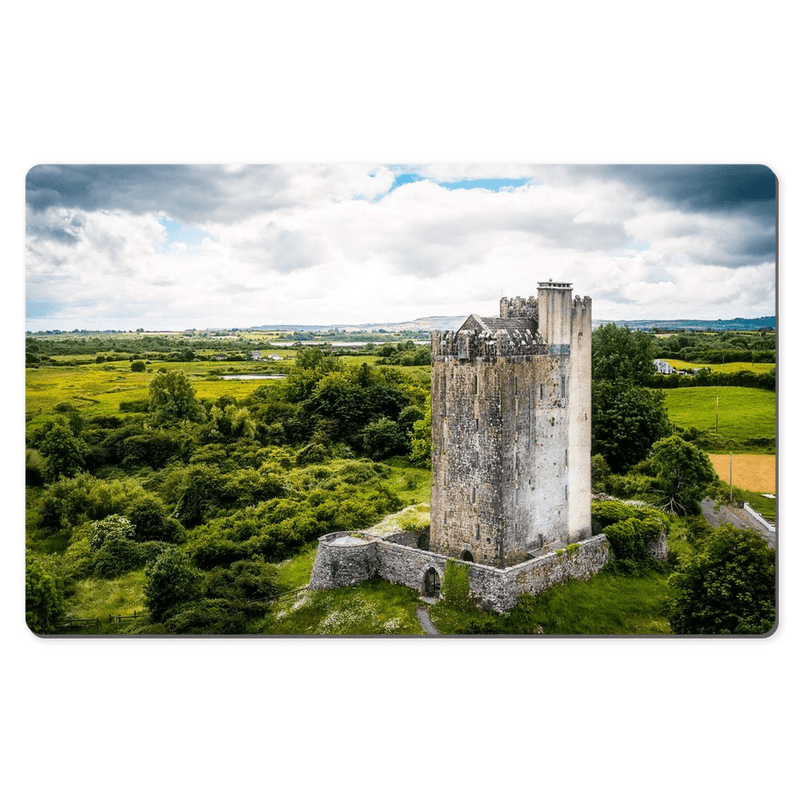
[443,400]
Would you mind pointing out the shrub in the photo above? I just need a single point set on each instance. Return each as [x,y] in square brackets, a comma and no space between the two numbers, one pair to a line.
[253,579]
[150,521]
[44,598]
[455,583]
[34,468]
[382,438]
[112,527]
[134,406]
[138,366]
[727,586]
[171,581]
[207,616]
[118,556]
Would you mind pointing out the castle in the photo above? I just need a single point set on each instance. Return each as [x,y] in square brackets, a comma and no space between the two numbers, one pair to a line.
[511,409]
[511,434]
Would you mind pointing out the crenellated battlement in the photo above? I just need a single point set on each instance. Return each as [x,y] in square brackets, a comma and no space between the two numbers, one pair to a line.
[467,345]
[582,303]
[526,307]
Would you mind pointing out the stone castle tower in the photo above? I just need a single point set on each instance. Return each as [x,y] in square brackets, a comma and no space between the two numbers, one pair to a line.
[511,418]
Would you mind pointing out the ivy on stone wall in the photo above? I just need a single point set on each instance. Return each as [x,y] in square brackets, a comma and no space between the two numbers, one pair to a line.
[455,583]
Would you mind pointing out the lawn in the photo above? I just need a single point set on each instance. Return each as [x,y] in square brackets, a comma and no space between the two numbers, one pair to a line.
[743,413]
[603,605]
[373,608]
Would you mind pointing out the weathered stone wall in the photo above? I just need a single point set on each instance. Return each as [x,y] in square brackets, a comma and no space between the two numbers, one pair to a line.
[511,431]
[343,560]
[580,420]
[497,589]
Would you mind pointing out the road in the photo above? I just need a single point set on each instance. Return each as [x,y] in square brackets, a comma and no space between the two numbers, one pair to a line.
[737,517]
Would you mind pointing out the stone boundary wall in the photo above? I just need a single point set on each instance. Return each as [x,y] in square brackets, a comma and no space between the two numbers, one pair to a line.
[358,559]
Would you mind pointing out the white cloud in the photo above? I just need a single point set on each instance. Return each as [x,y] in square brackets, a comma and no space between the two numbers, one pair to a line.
[328,245]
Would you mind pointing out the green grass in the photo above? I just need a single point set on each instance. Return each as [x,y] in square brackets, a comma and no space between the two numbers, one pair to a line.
[372,608]
[735,366]
[743,413]
[295,573]
[98,389]
[605,604]
[411,484]
[98,598]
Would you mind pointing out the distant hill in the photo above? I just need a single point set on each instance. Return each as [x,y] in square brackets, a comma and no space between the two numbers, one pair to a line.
[420,324]
[738,324]
[454,323]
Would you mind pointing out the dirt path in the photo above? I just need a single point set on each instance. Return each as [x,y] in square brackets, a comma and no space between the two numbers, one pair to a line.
[425,621]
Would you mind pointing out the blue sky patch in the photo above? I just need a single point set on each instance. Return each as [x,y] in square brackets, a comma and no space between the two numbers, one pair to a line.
[177,232]
[493,184]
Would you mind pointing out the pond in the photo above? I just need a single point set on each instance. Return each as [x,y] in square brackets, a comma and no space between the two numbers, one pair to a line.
[251,377]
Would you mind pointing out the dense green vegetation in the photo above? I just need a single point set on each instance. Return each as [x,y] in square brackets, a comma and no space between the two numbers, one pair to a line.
[157,488]
[718,347]
[193,500]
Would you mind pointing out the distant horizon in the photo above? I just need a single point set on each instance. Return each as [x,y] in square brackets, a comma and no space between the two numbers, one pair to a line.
[364,325]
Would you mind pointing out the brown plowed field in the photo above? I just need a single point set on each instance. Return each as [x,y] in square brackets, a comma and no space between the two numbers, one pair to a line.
[753,472]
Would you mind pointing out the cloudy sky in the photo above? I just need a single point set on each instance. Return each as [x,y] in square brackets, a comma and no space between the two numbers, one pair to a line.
[174,247]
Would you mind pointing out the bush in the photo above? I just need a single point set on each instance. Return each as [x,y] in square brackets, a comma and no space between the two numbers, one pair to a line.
[455,583]
[112,527]
[249,580]
[726,587]
[138,366]
[207,616]
[150,521]
[118,556]
[44,598]
[171,581]
[383,438]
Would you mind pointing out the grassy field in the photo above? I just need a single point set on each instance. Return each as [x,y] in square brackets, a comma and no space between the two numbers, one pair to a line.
[743,413]
[373,608]
[735,366]
[603,605]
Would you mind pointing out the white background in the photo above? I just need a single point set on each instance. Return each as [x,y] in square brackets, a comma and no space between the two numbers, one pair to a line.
[617,82]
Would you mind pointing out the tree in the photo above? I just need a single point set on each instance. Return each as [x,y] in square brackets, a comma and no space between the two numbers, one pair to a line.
[684,474]
[626,421]
[727,586]
[172,398]
[421,440]
[44,600]
[64,452]
[382,438]
[619,352]
[171,580]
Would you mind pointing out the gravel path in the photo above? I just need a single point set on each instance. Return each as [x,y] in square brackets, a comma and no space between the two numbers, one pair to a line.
[425,621]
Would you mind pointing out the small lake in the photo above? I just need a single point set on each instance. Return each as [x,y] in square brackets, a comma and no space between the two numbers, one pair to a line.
[251,377]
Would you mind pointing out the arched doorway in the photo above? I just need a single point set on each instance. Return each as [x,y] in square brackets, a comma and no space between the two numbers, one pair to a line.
[432,583]
[466,556]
